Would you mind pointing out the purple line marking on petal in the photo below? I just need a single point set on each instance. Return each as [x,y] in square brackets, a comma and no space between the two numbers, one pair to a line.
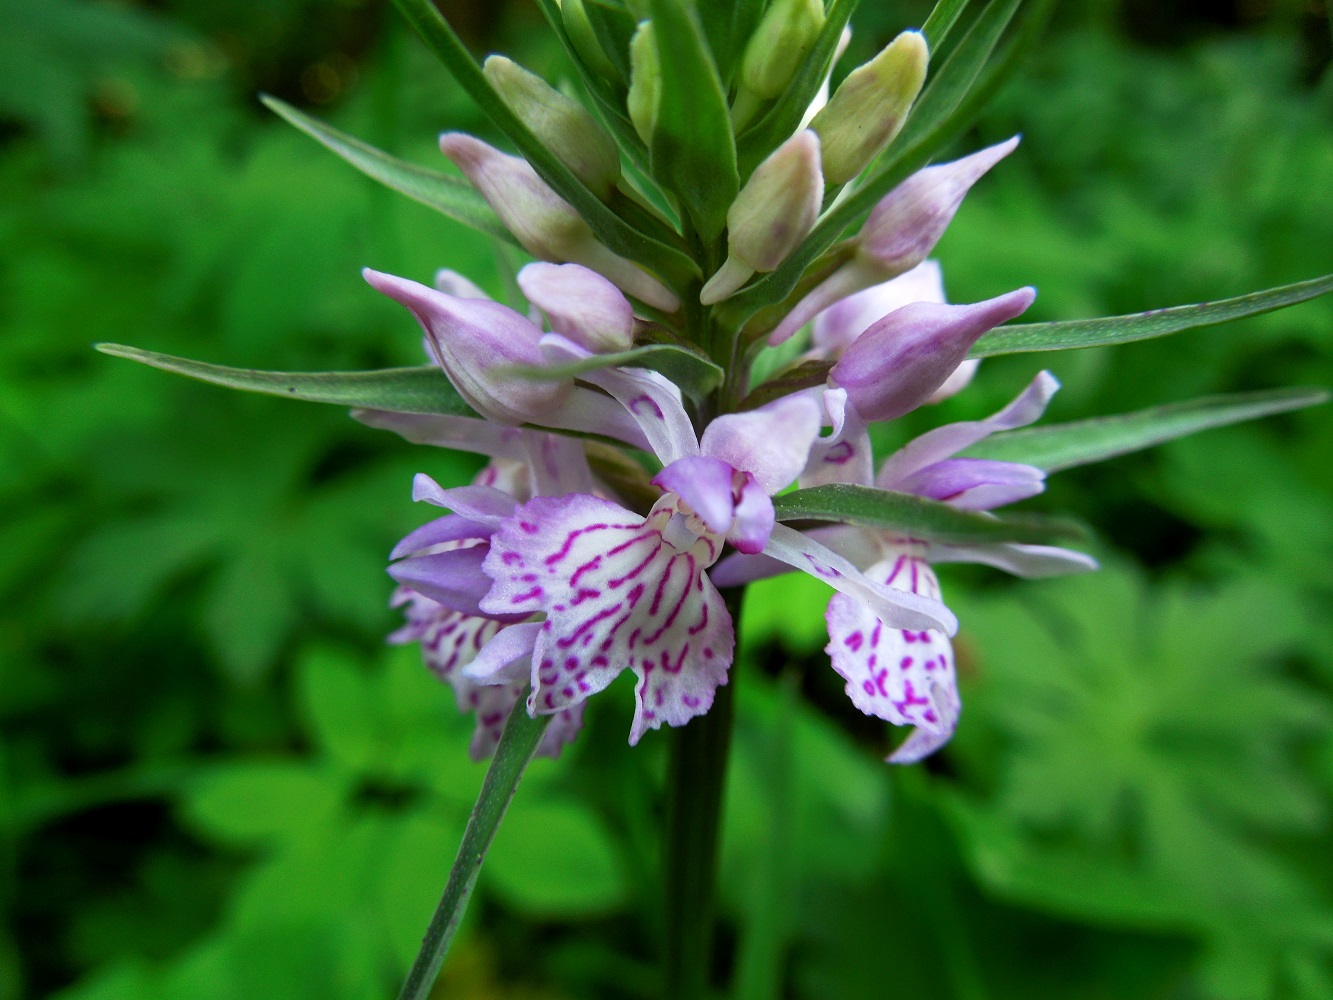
[708,653]
[638,401]
[906,663]
[690,700]
[897,568]
[511,558]
[532,594]
[840,454]
[565,641]
[680,603]
[584,594]
[529,527]
[640,567]
[555,557]
[854,641]
[586,567]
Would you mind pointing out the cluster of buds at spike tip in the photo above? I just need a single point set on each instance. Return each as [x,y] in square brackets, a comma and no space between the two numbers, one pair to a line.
[545,224]
[562,124]
[900,233]
[870,107]
[773,213]
[786,33]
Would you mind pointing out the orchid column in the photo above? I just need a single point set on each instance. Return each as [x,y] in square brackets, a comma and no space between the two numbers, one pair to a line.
[712,199]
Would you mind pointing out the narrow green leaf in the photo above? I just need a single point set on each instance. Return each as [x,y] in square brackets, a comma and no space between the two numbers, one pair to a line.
[693,148]
[612,230]
[794,378]
[1082,442]
[947,87]
[1079,333]
[449,195]
[781,120]
[518,744]
[941,21]
[728,25]
[696,375]
[402,390]
[915,517]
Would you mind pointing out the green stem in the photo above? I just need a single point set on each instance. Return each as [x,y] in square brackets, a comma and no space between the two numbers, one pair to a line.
[517,745]
[696,776]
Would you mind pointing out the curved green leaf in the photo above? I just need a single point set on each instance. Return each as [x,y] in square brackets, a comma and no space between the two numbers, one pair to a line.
[1063,446]
[915,517]
[693,148]
[695,374]
[1079,333]
[518,744]
[449,195]
[402,390]
[941,21]
[612,230]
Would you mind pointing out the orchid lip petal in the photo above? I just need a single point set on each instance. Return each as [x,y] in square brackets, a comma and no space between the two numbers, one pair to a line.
[617,593]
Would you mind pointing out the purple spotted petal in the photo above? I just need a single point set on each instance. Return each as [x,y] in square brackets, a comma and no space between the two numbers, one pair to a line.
[772,443]
[942,442]
[898,608]
[618,590]
[652,400]
[905,676]
[837,326]
[902,359]
[844,456]
[580,304]
[1016,558]
[707,485]
[976,483]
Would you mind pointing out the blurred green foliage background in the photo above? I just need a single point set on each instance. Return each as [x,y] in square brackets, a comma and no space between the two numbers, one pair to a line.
[215,780]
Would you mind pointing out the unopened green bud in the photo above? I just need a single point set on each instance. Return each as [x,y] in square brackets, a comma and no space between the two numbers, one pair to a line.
[773,213]
[584,39]
[775,50]
[645,81]
[562,124]
[870,106]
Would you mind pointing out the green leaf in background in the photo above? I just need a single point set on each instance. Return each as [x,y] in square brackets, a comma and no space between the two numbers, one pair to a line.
[915,516]
[401,390]
[264,801]
[1062,446]
[693,148]
[695,374]
[941,21]
[727,25]
[449,195]
[1075,334]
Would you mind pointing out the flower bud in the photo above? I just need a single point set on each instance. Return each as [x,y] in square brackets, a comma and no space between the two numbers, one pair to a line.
[870,106]
[821,98]
[563,125]
[773,213]
[777,47]
[904,227]
[645,82]
[900,233]
[840,324]
[893,367]
[581,305]
[474,341]
[545,224]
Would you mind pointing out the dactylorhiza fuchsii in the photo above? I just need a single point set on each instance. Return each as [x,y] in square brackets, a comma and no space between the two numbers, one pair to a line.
[732,283]
[558,587]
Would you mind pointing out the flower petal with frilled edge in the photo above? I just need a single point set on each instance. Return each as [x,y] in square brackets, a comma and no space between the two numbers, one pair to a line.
[905,676]
[618,590]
